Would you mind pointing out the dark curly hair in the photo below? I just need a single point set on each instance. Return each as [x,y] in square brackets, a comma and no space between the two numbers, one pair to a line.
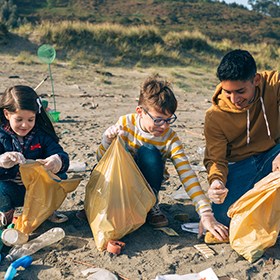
[237,65]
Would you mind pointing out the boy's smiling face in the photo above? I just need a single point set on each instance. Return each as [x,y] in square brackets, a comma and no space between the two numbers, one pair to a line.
[147,123]
[240,93]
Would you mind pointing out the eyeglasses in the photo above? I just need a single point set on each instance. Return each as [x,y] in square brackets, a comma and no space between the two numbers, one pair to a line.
[159,122]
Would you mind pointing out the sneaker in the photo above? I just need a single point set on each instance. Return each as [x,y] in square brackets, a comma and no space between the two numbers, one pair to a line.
[6,218]
[156,218]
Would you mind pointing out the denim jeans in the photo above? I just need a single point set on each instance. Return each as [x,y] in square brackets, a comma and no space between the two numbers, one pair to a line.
[12,195]
[242,176]
[149,161]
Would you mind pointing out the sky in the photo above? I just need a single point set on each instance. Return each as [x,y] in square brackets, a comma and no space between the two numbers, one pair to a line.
[242,2]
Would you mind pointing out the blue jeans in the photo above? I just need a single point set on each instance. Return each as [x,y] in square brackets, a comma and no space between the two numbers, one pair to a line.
[149,161]
[12,195]
[242,176]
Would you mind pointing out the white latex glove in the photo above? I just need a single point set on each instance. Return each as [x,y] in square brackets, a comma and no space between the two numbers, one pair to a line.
[208,222]
[276,163]
[52,163]
[217,192]
[9,159]
[112,132]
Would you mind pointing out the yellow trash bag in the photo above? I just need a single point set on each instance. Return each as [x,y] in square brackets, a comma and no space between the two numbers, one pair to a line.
[117,196]
[255,218]
[45,192]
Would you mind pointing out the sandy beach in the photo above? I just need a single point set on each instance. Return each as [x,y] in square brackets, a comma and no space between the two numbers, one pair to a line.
[90,99]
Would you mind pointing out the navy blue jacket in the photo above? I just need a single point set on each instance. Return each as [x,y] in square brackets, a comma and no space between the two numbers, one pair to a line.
[38,145]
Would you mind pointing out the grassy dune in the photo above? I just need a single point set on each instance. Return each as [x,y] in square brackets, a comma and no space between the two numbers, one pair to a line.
[140,46]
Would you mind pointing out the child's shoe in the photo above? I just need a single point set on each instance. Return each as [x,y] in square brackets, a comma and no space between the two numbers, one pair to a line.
[156,218]
[6,218]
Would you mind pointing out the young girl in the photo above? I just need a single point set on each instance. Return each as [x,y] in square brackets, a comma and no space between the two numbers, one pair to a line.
[25,133]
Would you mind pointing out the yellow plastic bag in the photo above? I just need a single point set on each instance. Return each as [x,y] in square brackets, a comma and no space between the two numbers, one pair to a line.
[45,192]
[255,218]
[117,196]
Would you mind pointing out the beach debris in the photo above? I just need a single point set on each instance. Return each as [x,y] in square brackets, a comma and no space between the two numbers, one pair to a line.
[91,265]
[178,194]
[93,105]
[168,231]
[104,73]
[12,236]
[76,166]
[46,239]
[24,261]
[195,133]
[207,274]
[191,227]
[183,217]
[198,168]
[14,77]
[40,83]
[204,250]
[269,264]
[64,132]
[211,239]
[115,247]
[99,273]
[200,150]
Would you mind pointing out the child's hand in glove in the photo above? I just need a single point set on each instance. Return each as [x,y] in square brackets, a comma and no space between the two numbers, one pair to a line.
[52,163]
[112,132]
[9,159]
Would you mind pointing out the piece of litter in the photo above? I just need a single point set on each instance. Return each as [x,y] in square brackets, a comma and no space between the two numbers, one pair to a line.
[77,166]
[178,194]
[204,250]
[198,167]
[191,227]
[99,273]
[207,274]
[181,217]
[167,230]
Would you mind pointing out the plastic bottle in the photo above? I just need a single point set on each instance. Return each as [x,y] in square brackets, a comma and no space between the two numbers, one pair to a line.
[24,261]
[12,236]
[51,236]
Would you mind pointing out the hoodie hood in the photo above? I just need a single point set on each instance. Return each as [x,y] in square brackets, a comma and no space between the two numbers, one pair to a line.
[224,104]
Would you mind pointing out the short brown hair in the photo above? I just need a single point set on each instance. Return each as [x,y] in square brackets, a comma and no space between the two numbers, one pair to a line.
[157,94]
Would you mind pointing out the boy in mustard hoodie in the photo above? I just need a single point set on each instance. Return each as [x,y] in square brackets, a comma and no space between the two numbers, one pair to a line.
[241,130]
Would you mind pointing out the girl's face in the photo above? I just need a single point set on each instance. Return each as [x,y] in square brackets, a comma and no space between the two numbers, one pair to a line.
[147,123]
[21,122]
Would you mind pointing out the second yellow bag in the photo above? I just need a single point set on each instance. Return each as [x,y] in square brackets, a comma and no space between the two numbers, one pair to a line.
[255,218]
[45,192]
[117,196]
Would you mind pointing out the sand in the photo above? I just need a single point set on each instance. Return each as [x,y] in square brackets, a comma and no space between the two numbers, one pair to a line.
[90,102]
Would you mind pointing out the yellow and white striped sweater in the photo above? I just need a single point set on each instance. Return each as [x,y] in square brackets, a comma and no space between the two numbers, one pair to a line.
[170,147]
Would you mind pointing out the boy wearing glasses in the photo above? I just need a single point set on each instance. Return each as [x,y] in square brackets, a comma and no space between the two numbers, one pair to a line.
[151,142]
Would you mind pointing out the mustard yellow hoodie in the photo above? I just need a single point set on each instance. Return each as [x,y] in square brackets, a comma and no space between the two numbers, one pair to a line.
[234,134]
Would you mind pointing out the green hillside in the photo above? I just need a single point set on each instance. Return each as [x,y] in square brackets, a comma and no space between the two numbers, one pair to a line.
[216,20]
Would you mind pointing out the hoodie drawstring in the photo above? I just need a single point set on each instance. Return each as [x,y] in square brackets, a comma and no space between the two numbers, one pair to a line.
[266,123]
[248,127]
[265,118]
